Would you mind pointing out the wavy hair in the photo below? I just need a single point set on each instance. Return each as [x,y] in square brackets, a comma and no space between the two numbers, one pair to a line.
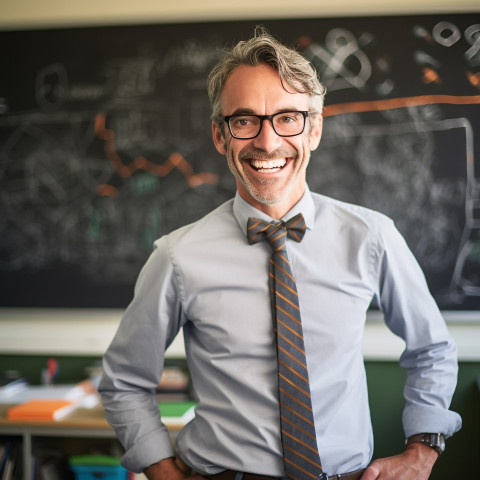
[295,71]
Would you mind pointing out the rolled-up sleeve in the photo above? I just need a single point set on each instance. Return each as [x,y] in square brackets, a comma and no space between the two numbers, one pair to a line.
[133,363]
[430,354]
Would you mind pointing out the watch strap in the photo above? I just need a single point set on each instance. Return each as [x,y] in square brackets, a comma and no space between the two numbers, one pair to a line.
[432,440]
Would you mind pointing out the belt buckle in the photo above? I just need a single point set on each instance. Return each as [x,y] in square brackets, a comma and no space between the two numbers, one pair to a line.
[323,476]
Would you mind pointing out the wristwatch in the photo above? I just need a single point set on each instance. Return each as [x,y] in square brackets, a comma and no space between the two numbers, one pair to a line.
[432,440]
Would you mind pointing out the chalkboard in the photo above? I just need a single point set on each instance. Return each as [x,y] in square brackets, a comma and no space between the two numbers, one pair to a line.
[105,145]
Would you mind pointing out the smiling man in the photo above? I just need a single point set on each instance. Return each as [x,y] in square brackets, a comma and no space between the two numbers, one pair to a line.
[268,157]
[272,290]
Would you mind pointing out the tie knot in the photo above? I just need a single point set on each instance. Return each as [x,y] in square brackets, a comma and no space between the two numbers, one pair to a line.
[276,233]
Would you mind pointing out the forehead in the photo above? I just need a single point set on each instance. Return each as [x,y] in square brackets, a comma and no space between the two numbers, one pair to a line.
[259,90]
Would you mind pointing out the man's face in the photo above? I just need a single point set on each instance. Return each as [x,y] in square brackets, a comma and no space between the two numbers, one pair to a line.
[269,170]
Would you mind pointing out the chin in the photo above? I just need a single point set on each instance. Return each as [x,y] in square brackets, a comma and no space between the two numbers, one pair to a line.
[266,199]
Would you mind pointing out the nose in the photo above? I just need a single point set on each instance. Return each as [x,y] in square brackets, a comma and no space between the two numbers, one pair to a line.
[267,139]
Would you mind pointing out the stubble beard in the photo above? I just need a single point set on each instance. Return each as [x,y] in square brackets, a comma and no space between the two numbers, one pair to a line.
[261,195]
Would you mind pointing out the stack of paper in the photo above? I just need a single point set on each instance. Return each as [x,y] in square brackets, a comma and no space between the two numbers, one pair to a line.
[74,392]
[9,386]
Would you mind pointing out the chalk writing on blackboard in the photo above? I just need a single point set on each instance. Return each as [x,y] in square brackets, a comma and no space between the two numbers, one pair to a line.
[105,145]
[174,161]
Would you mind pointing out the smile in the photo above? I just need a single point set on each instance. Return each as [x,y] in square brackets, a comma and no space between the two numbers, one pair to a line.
[269,166]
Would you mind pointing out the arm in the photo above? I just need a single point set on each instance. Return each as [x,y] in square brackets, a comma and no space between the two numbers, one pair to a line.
[133,364]
[415,463]
[164,469]
[168,469]
[430,357]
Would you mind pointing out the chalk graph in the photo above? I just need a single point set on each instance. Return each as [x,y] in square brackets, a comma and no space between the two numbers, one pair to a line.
[175,160]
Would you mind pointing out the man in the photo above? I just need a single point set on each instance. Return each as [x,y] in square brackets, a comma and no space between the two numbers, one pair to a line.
[209,280]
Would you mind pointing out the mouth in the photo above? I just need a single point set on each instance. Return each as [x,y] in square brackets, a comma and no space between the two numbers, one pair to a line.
[268,166]
[271,162]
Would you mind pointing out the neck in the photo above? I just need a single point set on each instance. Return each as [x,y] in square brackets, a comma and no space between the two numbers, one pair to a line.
[276,210]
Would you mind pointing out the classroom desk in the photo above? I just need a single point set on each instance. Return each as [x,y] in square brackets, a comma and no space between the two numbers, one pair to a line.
[82,423]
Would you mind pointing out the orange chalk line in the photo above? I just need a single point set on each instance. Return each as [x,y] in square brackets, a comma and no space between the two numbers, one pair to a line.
[389,104]
[175,160]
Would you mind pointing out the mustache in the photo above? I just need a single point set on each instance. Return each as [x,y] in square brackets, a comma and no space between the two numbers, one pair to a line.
[257,154]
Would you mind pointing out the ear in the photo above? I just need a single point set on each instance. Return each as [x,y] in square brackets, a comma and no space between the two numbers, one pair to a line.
[219,138]
[315,132]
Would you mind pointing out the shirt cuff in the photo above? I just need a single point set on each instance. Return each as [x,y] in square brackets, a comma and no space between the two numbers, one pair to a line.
[429,419]
[151,449]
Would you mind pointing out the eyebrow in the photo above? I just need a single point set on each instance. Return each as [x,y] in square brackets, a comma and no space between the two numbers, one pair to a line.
[243,111]
[249,111]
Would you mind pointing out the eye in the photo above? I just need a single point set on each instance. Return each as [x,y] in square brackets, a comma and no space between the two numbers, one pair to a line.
[244,121]
[287,118]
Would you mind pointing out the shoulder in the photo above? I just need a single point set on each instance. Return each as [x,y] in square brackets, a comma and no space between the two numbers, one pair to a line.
[345,214]
[207,230]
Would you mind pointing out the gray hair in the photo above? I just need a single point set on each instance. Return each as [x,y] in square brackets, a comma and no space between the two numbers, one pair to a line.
[294,70]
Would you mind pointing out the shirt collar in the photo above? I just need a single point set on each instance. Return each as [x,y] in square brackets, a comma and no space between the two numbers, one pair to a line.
[243,211]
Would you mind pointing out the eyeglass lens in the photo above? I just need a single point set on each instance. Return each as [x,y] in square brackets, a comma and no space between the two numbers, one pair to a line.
[285,123]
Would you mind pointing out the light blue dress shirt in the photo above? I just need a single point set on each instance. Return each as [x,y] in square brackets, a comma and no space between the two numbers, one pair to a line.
[207,279]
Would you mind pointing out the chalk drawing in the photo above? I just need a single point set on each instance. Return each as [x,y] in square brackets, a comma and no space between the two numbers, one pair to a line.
[341,47]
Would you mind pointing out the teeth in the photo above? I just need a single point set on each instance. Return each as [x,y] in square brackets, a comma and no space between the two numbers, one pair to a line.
[268,164]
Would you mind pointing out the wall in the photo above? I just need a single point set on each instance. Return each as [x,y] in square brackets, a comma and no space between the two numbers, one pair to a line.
[386,402]
[23,13]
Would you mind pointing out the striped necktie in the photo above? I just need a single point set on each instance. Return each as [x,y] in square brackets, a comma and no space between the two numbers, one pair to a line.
[300,451]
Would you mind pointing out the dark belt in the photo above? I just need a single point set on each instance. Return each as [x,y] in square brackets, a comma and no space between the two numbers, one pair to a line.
[230,475]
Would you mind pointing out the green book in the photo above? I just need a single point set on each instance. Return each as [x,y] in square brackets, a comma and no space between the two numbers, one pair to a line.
[95,460]
[177,412]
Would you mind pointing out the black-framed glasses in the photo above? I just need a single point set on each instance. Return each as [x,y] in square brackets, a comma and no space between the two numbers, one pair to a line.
[285,124]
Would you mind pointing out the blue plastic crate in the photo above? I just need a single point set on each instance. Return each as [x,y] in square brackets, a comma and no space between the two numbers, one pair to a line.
[99,472]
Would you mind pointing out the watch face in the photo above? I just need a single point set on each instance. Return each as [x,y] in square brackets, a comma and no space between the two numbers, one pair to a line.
[437,441]
[442,443]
